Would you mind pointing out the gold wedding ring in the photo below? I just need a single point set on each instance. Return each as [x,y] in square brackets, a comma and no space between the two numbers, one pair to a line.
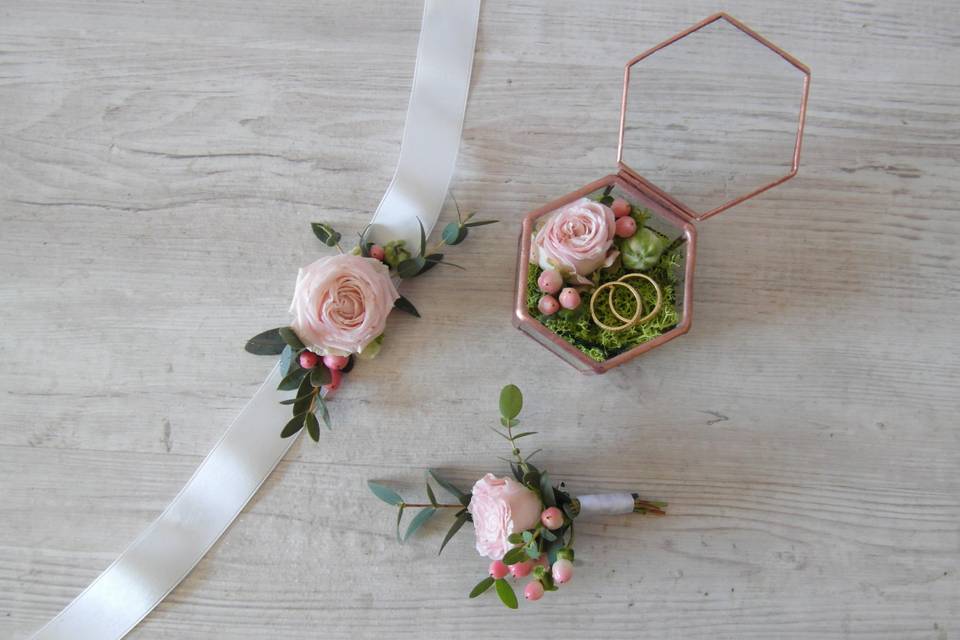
[635,319]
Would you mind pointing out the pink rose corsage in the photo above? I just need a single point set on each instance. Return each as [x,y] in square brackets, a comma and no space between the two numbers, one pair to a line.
[523,524]
[339,313]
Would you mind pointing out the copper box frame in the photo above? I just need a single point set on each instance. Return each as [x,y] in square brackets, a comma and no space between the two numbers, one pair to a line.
[657,200]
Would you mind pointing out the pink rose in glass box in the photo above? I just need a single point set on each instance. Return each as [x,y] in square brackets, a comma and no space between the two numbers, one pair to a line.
[605,273]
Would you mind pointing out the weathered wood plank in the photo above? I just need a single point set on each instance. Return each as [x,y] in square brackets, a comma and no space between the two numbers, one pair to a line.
[158,165]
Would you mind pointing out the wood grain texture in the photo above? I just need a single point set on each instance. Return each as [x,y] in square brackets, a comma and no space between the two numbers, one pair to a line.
[159,163]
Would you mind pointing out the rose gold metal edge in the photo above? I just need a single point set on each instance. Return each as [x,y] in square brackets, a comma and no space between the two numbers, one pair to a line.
[690,230]
[795,162]
[523,321]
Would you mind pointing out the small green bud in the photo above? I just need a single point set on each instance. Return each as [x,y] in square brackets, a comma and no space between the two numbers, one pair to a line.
[547,582]
[642,251]
[539,571]
[394,253]
[565,554]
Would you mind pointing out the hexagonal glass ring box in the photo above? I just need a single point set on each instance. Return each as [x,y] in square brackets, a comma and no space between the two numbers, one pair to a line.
[709,118]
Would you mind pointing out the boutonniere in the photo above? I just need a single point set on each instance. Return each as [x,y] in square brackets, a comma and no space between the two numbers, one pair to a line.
[523,523]
[339,314]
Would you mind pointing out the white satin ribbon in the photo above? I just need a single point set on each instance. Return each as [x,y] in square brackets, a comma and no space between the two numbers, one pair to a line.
[247,453]
[606,504]
[438,100]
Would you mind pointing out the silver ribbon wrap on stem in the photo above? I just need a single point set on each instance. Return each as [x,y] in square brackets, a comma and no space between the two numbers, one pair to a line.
[247,453]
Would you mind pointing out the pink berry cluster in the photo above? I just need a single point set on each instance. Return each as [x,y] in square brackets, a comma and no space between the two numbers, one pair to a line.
[545,576]
[550,283]
[336,365]
[625,225]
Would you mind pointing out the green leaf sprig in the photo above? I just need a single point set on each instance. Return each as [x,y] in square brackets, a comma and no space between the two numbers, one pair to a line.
[309,406]
[532,545]
[428,509]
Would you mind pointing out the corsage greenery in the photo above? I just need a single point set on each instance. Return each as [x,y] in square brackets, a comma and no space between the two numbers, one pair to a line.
[524,524]
[339,313]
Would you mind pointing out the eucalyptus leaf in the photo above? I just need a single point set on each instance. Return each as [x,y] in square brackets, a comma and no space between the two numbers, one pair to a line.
[505,591]
[452,531]
[515,538]
[511,401]
[286,359]
[552,547]
[480,223]
[399,519]
[418,521]
[320,376]
[515,555]
[462,498]
[430,262]
[321,405]
[423,238]
[325,233]
[546,490]
[268,343]
[532,550]
[404,304]
[411,267]
[437,258]
[482,586]
[524,434]
[386,494]
[292,427]
[547,535]
[526,536]
[433,498]
[292,380]
[313,426]
[454,233]
[304,393]
[290,337]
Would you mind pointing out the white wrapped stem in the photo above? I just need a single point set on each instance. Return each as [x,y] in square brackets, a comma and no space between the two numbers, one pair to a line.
[606,504]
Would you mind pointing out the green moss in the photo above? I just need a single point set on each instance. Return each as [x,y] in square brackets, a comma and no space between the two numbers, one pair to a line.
[578,328]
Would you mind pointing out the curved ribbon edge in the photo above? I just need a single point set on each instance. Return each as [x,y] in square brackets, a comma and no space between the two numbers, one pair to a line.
[170,547]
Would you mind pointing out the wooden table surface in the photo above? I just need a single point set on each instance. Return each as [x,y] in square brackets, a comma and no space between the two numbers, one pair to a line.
[159,164]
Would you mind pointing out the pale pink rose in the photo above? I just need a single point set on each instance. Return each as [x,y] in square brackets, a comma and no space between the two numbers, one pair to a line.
[341,303]
[501,506]
[576,239]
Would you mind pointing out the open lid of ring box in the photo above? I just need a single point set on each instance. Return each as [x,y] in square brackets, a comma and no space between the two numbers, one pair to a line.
[709,118]
[712,116]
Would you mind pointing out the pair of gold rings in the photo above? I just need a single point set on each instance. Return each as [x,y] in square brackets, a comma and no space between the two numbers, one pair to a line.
[636,318]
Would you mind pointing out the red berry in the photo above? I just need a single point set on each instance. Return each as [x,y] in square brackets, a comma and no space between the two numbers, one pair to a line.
[521,569]
[550,281]
[335,377]
[335,363]
[625,227]
[498,569]
[569,298]
[621,207]
[377,252]
[548,305]
[308,359]
[533,590]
